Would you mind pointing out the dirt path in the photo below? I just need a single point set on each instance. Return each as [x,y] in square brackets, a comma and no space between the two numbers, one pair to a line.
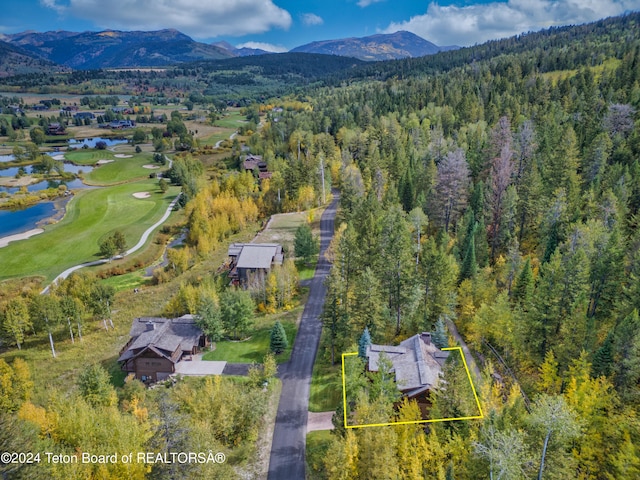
[467,353]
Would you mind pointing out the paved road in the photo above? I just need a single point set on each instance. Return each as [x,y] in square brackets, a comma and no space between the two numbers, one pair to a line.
[287,460]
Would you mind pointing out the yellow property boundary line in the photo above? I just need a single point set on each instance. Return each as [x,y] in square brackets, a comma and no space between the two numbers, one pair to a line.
[466,367]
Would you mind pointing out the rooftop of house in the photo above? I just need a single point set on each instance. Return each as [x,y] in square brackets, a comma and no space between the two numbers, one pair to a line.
[416,362]
[259,255]
[255,255]
[163,335]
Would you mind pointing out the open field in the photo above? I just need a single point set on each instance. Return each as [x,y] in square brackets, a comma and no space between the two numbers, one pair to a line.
[282,228]
[91,216]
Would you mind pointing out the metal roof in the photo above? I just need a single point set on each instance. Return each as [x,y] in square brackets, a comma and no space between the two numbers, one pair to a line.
[257,255]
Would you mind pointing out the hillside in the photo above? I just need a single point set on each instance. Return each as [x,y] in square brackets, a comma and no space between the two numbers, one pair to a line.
[114,49]
[16,61]
[553,49]
[375,47]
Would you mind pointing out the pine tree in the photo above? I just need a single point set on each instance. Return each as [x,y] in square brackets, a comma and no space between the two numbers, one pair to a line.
[279,342]
[603,358]
[469,264]
[439,336]
[363,343]
[524,285]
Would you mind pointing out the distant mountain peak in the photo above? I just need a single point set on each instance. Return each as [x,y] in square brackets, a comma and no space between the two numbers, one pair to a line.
[381,46]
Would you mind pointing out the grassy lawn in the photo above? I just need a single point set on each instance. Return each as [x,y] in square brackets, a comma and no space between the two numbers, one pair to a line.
[214,138]
[91,216]
[257,346]
[316,449]
[326,386]
[88,156]
[128,281]
[232,119]
[121,170]
[305,272]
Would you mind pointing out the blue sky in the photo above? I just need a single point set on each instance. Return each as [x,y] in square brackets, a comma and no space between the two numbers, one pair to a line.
[284,24]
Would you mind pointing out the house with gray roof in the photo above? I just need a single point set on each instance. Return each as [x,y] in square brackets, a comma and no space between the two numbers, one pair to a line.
[158,344]
[416,364]
[252,260]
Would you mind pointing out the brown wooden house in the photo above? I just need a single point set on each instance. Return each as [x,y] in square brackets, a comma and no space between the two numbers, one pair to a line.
[416,363]
[158,344]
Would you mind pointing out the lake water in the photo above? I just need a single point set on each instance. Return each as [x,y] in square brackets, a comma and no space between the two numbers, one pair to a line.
[16,221]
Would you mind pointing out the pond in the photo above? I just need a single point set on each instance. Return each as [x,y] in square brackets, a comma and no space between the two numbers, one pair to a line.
[91,142]
[16,221]
[11,158]
[43,185]
[68,167]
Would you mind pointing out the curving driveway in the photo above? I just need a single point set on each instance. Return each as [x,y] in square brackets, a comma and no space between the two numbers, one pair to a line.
[287,460]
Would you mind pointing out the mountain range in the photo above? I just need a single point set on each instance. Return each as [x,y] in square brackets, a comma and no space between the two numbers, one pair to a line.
[30,51]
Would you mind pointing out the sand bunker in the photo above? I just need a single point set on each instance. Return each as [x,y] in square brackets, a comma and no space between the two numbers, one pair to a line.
[58,157]
[122,155]
[102,162]
[152,167]
[4,241]
[142,195]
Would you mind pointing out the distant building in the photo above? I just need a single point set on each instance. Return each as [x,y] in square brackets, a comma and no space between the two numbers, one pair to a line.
[158,344]
[70,108]
[39,107]
[256,164]
[84,115]
[253,259]
[123,110]
[416,364]
[118,124]
[55,129]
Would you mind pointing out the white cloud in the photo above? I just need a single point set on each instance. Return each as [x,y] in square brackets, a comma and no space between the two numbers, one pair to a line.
[472,24]
[311,19]
[366,3]
[52,5]
[269,47]
[198,18]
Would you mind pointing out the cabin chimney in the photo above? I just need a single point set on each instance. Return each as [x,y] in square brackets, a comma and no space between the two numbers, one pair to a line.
[150,326]
[426,337]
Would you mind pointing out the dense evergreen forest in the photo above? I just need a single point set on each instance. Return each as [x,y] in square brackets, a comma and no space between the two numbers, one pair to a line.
[502,194]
